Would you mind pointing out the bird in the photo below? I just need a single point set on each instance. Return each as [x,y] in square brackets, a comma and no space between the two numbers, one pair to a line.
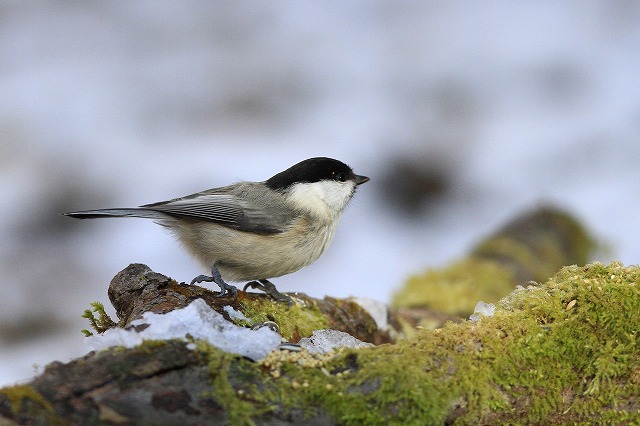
[254,231]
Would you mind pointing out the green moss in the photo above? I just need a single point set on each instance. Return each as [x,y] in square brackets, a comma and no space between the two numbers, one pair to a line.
[149,346]
[25,399]
[456,289]
[100,324]
[588,347]
[220,363]
[296,321]
[542,358]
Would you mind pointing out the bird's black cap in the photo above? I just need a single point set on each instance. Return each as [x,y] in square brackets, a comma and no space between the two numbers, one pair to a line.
[314,170]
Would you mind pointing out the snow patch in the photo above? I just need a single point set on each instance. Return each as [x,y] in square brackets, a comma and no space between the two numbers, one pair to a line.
[197,320]
[322,341]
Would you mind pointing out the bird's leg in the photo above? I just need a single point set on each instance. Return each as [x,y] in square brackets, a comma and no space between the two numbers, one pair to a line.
[225,289]
[269,288]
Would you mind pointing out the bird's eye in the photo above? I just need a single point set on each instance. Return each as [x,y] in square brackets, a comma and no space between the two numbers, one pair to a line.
[340,177]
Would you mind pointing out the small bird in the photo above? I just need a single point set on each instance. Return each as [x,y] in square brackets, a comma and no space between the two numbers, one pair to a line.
[253,231]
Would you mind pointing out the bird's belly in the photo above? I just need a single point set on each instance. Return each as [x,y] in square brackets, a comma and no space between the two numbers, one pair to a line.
[243,256]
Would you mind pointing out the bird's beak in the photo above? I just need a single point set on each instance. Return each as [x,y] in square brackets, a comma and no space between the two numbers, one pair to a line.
[361,179]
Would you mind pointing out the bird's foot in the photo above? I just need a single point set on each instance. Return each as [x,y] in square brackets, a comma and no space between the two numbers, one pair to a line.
[269,288]
[226,290]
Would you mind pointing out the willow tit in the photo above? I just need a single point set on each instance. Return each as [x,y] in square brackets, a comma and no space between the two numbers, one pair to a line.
[256,230]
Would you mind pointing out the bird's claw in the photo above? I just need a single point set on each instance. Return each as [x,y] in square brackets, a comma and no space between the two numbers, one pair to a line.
[226,290]
[202,278]
[270,289]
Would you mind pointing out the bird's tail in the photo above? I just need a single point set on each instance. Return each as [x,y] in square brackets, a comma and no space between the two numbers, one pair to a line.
[131,212]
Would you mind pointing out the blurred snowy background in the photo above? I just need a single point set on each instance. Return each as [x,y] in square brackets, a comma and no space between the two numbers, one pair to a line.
[463,114]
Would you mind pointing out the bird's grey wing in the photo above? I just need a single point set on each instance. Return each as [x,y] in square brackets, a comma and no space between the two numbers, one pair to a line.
[233,210]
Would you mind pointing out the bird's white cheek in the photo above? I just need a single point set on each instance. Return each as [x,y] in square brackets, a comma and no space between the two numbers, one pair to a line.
[325,198]
[337,194]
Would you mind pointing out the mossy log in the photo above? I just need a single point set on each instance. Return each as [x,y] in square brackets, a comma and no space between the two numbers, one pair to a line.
[563,352]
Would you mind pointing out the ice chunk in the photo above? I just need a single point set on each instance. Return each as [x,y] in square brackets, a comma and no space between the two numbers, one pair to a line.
[482,309]
[200,322]
[235,315]
[322,341]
